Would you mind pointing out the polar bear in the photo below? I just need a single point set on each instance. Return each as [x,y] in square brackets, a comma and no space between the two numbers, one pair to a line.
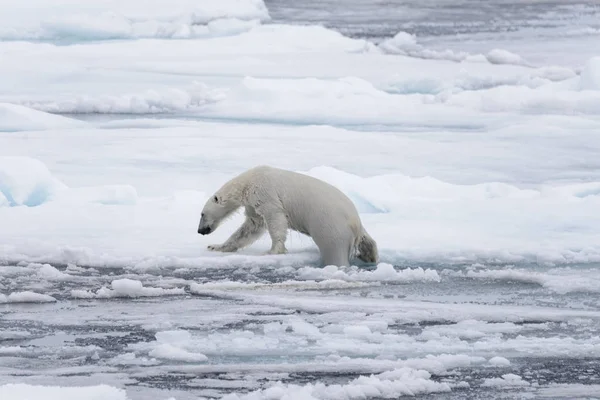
[277,200]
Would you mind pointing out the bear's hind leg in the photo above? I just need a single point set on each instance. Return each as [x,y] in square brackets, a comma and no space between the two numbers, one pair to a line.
[277,225]
[334,250]
[337,257]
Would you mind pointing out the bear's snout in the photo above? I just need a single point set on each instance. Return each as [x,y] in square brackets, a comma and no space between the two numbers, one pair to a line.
[204,231]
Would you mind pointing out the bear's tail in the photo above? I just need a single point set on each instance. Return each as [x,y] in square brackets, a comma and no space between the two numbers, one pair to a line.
[367,248]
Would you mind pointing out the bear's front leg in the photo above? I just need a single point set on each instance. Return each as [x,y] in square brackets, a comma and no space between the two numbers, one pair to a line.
[277,225]
[252,228]
[226,248]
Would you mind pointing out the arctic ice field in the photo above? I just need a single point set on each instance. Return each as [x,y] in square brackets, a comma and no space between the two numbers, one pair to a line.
[467,134]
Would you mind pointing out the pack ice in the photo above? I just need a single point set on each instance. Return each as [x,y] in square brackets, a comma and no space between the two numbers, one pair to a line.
[470,153]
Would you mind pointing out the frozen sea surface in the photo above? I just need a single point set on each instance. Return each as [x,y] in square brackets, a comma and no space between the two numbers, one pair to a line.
[541,30]
[466,133]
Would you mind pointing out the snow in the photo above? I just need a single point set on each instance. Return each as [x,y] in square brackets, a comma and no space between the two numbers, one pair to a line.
[14,117]
[107,195]
[528,222]
[23,391]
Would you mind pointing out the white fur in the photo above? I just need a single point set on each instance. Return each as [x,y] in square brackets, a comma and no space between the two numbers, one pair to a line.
[276,200]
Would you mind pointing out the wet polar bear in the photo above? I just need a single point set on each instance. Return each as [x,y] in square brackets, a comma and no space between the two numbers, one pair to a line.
[277,200]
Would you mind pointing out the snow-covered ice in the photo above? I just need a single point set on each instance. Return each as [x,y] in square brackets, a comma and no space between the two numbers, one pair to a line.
[26,297]
[468,144]
[125,288]
[110,19]
[14,117]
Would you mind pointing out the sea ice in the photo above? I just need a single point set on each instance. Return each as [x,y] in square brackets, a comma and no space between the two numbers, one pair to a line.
[26,297]
[499,361]
[383,273]
[403,381]
[14,117]
[126,288]
[21,391]
[27,181]
[110,19]
[590,75]
[506,381]
[472,159]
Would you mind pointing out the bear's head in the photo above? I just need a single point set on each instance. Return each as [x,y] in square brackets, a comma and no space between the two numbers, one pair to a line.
[217,208]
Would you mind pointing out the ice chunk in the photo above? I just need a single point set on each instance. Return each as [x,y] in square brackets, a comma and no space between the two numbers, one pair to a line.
[26,297]
[404,43]
[469,329]
[27,181]
[499,361]
[171,345]
[199,288]
[132,359]
[507,381]
[500,56]
[82,294]
[383,273]
[48,272]
[15,117]
[171,352]
[391,384]
[400,43]
[304,328]
[126,288]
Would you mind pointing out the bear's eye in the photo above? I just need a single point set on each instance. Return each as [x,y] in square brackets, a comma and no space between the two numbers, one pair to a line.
[216,199]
